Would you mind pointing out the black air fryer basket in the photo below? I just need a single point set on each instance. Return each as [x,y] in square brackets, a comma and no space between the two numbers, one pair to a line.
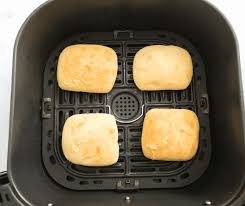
[39,174]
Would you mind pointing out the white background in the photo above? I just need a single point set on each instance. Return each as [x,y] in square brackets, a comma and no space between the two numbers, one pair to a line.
[14,12]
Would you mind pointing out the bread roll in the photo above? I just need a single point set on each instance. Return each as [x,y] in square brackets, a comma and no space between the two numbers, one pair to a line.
[160,67]
[87,68]
[170,134]
[91,139]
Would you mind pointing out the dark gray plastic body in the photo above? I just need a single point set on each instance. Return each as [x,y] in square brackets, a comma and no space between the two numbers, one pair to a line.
[197,21]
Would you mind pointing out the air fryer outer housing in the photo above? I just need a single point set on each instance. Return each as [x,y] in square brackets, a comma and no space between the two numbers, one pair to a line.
[196,20]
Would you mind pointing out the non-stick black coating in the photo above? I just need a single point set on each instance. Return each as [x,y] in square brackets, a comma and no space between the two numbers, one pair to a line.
[195,20]
[129,105]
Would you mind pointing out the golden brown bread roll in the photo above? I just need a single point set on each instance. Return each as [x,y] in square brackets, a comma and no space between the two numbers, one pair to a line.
[87,68]
[160,67]
[170,134]
[91,139]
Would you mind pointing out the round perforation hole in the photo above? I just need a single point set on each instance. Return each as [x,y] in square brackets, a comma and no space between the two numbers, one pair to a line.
[49,133]
[50,83]
[199,79]
[52,159]
[122,106]
[173,39]
[195,64]
[172,180]
[83,182]
[49,146]
[52,70]
[70,179]
[184,176]
[157,180]
[201,155]
[163,36]
[98,182]
[203,103]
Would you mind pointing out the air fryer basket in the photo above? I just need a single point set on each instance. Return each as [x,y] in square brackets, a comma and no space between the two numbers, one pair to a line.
[38,173]
[128,104]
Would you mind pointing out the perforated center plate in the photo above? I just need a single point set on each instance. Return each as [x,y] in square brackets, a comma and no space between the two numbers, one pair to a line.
[128,105]
[125,106]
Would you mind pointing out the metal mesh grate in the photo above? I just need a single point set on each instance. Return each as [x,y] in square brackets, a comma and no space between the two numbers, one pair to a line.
[128,104]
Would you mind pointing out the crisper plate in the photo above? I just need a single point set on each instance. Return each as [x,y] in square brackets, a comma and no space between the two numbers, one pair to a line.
[128,104]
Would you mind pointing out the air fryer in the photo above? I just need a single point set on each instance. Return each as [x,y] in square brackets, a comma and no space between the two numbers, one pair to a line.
[39,174]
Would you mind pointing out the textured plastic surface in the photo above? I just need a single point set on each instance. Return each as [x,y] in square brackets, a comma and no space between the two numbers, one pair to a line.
[128,105]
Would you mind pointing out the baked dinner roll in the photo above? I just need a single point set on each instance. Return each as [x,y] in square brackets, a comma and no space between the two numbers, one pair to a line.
[87,68]
[91,139]
[160,67]
[170,134]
